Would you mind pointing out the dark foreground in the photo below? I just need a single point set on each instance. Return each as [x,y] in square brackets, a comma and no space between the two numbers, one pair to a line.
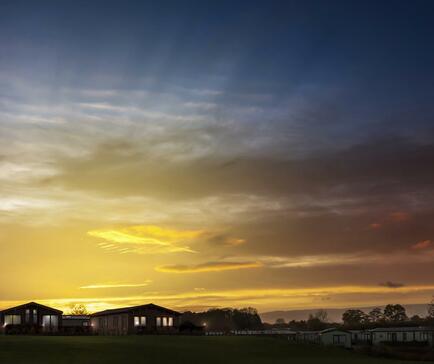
[169,349]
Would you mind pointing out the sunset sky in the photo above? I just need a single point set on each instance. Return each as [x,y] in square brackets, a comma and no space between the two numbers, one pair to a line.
[196,154]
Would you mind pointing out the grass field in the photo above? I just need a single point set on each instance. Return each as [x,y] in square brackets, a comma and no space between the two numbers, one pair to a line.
[169,349]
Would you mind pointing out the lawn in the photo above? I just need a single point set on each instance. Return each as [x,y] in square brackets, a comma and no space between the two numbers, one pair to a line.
[169,349]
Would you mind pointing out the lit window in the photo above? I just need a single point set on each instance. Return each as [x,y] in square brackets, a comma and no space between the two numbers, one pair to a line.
[170,321]
[49,321]
[143,321]
[136,321]
[35,316]
[12,319]
[27,316]
[164,321]
[158,321]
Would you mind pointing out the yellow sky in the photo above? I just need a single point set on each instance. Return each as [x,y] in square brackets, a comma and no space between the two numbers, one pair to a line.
[107,210]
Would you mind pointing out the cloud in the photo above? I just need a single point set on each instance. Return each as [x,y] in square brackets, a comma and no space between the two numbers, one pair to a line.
[390,284]
[352,259]
[116,285]
[225,240]
[422,245]
[208,267]
[399,216]
[152,239]
[375,225]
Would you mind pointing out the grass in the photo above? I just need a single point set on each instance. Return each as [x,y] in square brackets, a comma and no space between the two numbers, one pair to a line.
[170,349]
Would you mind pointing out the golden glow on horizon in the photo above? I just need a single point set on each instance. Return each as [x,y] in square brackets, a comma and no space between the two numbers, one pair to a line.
[262,298]
[208,267]
[116,285]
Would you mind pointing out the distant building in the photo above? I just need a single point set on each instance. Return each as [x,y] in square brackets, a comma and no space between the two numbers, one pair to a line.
[30,318]
[403,335]
[142,319]
[76,324]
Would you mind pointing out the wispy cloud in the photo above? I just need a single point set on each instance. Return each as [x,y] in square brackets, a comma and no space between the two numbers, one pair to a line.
[152,239]
[362,258]
[207,267]
[422,245]
[116,285]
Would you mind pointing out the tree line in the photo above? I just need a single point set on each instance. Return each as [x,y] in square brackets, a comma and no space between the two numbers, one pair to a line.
[391,315]
[223,319]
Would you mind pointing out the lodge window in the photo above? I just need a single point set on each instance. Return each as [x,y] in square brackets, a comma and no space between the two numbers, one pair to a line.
[49,321]
[404,336]
[12,319]
[165,321]
[27,316]
[140,321]
[35,316]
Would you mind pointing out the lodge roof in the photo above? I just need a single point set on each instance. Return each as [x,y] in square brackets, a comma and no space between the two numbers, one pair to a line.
[398,329]
[334,329]
[31,304]
[133,308]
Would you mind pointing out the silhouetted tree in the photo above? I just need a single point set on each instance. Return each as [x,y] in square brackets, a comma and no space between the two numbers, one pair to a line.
[280,322]
[431,309]
[317,321]
[321,315]
[375,315]
[225,319]
[354,318]
[416,318]
[395,313]
[298,325]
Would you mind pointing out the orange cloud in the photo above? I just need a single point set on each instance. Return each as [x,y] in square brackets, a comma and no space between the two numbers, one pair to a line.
[375,226]
[207,267]
[421,245]
[399,216]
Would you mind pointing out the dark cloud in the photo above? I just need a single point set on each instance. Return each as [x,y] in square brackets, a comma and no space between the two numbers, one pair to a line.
[390,284]
[372,171]
[375,196]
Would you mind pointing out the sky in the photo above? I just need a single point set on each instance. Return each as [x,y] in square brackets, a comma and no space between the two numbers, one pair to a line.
[197,154]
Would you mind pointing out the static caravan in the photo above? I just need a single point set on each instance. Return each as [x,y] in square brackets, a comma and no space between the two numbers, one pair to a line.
[30,318]
[308,337]
[142,319]
[403,335]
[360,337]
[335,337]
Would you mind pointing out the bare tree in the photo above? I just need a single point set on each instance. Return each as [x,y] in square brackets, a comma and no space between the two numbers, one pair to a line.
[321,315]
[79,309]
